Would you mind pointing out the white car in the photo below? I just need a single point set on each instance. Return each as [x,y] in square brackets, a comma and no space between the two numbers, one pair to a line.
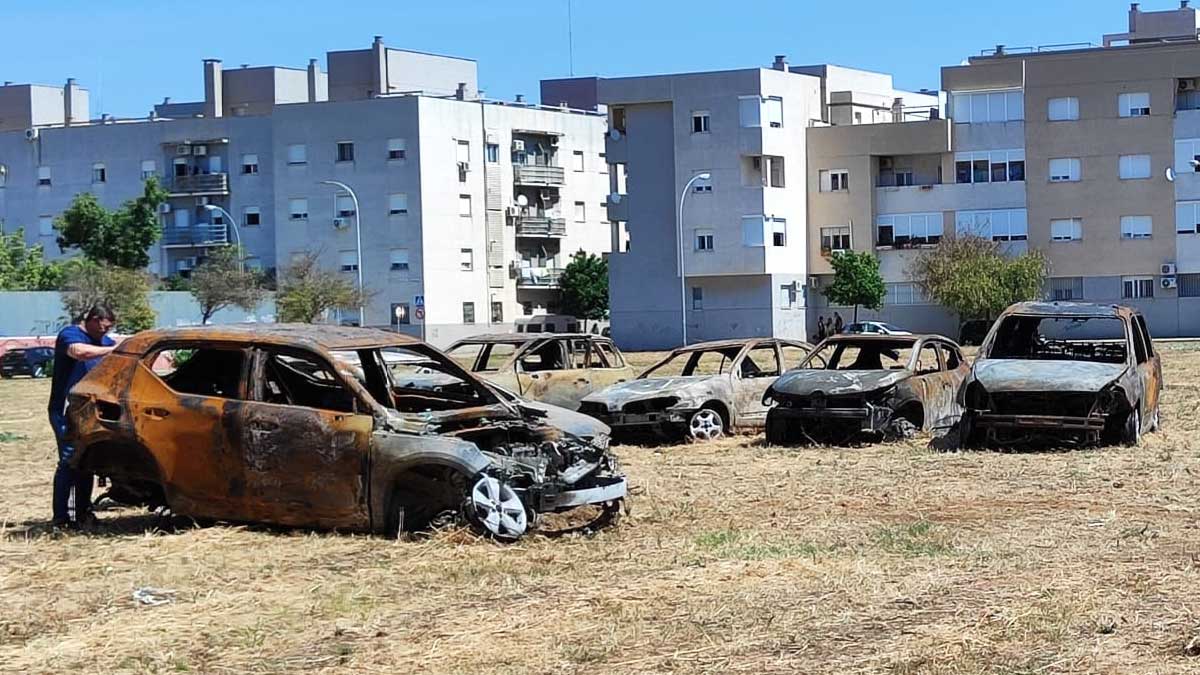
[874,328]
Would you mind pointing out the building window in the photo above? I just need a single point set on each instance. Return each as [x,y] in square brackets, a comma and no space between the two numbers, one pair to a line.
[464,205]
[1136,227]
[1064,169]
[998,225]
[834,180]
[904,230]
[1066,288]
[773,111]
[99,173]
[397,204]
[1187,155]
[398,259]
[491,152]
[752,230]
[1187,217]
[704,240]
[43,175]
[1134,166]
[3,175]
[757,111]
[344,206]
[903,177]
[580,212]
[904,293]
[1062,109]
[1133,288]
[348,261]
[787,296]
[345,151]
[180,167]
[149,169]
[1133,104]
[466,259]
[700,120]
[774,173]
[298,209]
[463,152]
[778,231]
[577,160]
[987,106]
[249,164]
[697,298]
[468,312]
[45,226]
[1066,229]
[182,218]
[297,153]
[1189,285]
[989,166]
[251,215]
[835,239]
[396,149]
[702,186]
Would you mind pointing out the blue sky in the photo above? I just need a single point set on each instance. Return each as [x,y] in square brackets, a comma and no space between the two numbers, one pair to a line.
[131,54]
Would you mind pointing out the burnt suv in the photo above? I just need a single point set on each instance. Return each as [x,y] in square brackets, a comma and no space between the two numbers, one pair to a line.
[331,427]
[1063,372]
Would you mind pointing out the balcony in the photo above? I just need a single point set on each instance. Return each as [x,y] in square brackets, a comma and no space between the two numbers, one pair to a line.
[538,277]
[200,184]
[950,197]
[203,234]
[540,226]
[545,176]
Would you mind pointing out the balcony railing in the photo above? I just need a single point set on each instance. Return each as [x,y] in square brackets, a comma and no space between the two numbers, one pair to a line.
[202,234]
[529,174]
[538,277]
[541,226]
[205,183]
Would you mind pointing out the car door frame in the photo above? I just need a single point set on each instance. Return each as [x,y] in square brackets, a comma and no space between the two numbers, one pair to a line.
[609,375]
[1149,372]
[541,385]
[747,414]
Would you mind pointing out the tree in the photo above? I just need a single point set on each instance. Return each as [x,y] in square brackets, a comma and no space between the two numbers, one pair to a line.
[584,284]
[856,281]
[126,291]
[120,237]
[973,277]
[24,268]
[306,291]
[221,280]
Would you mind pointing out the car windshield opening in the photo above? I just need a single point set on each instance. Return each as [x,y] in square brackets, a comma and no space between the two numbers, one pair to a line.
[865,355]
[1058,338]
[698,363]
[414,379]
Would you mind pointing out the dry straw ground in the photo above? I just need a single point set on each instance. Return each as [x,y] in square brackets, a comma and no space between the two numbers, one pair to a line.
[736,558]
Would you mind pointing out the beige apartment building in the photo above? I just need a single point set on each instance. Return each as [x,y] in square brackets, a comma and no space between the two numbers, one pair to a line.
[1088,153]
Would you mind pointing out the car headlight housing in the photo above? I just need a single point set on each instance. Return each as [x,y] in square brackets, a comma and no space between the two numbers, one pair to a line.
[768,398]
[1110,400]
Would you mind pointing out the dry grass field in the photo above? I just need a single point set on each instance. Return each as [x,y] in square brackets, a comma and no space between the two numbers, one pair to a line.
[736,558]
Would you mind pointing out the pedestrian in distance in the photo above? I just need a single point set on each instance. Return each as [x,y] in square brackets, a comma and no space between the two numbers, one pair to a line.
[822,329]
[837,323]
[77,350]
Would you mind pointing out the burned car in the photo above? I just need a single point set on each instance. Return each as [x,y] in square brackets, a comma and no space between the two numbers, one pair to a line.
[329,427]
[559,368]
[1063,372]
[701,391]
[855,385]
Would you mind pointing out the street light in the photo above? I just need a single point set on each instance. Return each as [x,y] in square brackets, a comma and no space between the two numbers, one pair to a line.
[679,257]
[237,235]
[362,313]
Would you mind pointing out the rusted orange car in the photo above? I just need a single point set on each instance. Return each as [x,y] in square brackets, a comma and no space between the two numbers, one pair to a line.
[334,427]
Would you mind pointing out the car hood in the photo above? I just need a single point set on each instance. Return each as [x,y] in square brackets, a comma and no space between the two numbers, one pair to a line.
[837,382]
[569,421]
[651,387]
[1001,375]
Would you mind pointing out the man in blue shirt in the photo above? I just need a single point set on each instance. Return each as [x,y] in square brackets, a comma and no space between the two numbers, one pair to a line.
[76,351]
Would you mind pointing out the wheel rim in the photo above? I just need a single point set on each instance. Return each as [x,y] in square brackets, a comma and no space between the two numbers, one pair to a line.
[499,509]
[706,424]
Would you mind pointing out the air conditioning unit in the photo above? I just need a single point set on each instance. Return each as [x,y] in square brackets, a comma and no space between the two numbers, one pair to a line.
[183,149]
[340,223]
[1167,269]
[885,162]
[1187,84]
[200,150]
[518,146]
[464,167]
[164,208]
[31,134]
[814,282]
[512,211]
[1169,282]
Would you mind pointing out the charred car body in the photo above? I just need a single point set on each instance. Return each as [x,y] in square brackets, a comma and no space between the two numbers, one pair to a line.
[701,391]
[331,427]
[1064,372]
[867,384]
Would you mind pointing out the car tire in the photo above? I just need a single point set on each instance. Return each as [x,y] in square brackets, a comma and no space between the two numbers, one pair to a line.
[706,424]
[902,428]
[967,437]
[1131,433]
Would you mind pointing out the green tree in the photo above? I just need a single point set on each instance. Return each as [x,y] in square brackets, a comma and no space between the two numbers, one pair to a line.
[856,281]
[584,284]
[127,291]
[222,280]
[121,237]
[24,268]
[306,291]
[973,277]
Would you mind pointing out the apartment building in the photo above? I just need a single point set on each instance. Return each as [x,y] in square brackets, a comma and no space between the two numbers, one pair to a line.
[1089,153]
[468,207]
[736,140]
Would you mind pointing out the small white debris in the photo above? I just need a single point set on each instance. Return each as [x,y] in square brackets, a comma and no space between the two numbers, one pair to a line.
[153,597]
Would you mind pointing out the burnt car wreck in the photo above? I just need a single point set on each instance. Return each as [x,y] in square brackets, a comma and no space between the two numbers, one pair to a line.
[855,386]
[330,427]
[1063,373]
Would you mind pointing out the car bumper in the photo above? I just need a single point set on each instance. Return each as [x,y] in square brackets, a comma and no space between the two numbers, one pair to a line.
[984,420]
[606,490]
[870,418]
[646,421]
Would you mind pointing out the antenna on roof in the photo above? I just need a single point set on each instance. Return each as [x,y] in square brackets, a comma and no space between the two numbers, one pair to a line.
[570,42]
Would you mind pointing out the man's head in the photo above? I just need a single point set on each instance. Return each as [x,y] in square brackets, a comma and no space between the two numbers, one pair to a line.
[98,320]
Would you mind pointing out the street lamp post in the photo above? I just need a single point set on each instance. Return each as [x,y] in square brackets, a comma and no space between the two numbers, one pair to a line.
[362,313]
[679,256]
[237,235]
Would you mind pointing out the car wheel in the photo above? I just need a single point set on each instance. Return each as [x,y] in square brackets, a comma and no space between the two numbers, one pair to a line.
[902,427]
[706,424]
[496,510]
[966,432]
[1131,434]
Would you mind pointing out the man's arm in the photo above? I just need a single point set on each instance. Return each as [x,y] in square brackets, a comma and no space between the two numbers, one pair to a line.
[84,352]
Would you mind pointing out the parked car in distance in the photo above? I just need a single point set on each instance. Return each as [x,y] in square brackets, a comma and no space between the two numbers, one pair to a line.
[1054,372]
[973,332]
[31,361]
[331,427]
[874,328]
[701,391]
[852,385]
[559,369]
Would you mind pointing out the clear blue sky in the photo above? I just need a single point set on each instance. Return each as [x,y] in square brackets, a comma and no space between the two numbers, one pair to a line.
[132,53]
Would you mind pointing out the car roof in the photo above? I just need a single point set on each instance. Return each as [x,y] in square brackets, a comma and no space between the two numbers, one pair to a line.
[736,342]
[521,338]
[1084,309]
[286,334]
[902,337]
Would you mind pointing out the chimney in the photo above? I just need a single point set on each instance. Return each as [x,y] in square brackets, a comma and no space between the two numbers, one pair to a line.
[70,114]
[313,71]
[461,92]
[999,50]
[897,110]
[214,99]
[8,83]
[780,62]
[379,79]
[1133,12]
[166,100]
[520,98]
[1183,4]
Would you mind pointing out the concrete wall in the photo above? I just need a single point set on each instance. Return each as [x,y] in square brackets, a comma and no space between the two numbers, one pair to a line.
[409,71]
[42,313]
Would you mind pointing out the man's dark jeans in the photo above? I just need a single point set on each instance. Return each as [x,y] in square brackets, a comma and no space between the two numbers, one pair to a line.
[67,478]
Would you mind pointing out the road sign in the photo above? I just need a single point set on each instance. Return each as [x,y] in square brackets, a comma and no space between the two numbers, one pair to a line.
[420,313]
[419,301]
